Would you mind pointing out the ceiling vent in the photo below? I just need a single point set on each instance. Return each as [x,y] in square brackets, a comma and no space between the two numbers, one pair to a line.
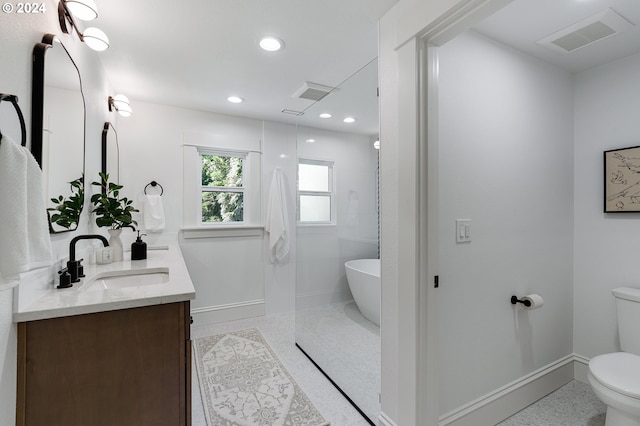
[292,112]
[586,32]
[312,91]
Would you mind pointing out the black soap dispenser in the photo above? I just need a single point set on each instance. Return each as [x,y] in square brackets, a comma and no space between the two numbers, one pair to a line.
[138,248]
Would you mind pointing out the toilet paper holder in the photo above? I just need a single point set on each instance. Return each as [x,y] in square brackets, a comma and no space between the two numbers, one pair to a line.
[515,300]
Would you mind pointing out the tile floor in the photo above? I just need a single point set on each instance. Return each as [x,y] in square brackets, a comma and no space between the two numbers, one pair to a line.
[279,332]
[572,405]
[347,347]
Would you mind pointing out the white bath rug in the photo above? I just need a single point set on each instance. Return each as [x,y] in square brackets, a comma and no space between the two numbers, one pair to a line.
[243,384]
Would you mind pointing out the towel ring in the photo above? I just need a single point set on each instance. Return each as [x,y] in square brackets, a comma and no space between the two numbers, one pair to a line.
[14,100]
[154,184]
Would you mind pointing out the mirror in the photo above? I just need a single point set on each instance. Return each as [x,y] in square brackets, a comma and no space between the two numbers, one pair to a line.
[57,131]
[338,311]
[110,153]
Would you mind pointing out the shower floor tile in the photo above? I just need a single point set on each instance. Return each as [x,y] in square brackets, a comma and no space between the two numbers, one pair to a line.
[346,346]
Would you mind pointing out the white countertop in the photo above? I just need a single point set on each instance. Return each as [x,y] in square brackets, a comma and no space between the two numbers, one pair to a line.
[87,296]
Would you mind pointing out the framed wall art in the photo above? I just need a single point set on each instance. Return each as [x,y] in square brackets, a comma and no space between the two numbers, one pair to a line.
[622,180]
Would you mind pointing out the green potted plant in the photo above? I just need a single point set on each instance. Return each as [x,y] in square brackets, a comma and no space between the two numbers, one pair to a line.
[67,210]
[113,212]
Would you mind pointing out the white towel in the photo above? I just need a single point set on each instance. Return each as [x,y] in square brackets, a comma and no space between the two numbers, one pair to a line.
[277,224]
[24,230]
[153,213]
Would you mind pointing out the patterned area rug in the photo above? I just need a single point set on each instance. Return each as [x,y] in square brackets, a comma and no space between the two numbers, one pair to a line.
[243,384]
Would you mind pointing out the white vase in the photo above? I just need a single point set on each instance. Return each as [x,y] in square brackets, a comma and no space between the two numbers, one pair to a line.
[116,243]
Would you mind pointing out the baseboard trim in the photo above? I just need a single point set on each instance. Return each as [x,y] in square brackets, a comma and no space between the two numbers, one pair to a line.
[384,420]
[504,402]
[580,368]
[228,312]
[513,397]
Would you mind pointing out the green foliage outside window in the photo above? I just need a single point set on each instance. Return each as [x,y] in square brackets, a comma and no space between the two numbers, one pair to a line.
[221,179]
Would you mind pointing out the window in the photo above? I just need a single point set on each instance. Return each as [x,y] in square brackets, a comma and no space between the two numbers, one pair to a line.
[223,189]
[315,192]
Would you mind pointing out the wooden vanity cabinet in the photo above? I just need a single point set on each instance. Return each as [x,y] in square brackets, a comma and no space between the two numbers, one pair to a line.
[123,367]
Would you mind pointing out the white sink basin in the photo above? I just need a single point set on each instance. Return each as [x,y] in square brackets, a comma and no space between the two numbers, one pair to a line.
[115,280]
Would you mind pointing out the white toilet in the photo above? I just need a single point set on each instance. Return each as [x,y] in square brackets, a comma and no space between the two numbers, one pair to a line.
[615,377]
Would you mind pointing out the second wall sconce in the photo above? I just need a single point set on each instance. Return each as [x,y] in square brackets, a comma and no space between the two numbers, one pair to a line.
[85,10]
[121,104]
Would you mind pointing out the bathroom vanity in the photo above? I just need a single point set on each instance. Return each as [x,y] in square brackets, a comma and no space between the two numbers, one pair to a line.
[114,349]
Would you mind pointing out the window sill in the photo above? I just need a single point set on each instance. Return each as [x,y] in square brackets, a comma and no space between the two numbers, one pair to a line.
[222,231]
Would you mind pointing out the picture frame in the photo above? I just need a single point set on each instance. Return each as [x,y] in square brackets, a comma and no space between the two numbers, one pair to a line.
[622,180]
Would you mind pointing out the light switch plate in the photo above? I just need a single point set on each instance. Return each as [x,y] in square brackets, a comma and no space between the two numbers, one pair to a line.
[463,230]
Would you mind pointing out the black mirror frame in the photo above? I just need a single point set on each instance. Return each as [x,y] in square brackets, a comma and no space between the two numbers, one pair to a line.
[37,106]
[105,142]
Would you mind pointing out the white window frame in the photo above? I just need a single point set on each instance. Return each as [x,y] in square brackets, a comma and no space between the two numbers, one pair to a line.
[331,192]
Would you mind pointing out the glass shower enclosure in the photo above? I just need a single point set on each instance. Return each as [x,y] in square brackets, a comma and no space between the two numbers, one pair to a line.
[337,214]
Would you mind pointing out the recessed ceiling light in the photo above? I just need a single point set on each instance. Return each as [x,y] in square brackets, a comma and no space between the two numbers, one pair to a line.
[311,140]
[325,115]
[235,99]
[271,44]
[349,120]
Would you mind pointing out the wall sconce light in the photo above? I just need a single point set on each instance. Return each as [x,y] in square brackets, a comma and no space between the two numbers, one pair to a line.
[84,10]
[121,104]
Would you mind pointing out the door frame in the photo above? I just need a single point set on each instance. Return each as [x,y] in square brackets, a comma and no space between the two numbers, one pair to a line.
[414,265]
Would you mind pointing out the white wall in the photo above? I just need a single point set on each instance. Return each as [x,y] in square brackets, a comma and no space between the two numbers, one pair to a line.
[231,271]
[151,149]
[18,35]
[279,150]
[606,246]
[506,164]
[387,71]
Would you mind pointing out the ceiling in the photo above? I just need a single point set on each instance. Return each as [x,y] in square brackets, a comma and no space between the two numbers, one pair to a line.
[523,22]
[195,54]
[356,97]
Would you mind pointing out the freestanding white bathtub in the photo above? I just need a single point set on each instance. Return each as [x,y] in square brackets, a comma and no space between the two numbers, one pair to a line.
[363,276]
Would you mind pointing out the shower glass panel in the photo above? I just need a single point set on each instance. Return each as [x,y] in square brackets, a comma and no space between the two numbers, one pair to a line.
[338,222]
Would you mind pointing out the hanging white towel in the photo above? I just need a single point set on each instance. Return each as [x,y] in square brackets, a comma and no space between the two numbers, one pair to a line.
[153,213]
[24,230]
[277,219]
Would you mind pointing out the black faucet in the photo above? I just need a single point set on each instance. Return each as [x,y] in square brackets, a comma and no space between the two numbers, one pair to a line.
[74,269]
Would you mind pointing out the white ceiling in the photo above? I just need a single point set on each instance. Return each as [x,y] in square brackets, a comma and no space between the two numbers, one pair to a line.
[523,22]
[196,53]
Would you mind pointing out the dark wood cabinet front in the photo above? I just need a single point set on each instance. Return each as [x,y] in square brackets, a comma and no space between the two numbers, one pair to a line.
[123,367]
